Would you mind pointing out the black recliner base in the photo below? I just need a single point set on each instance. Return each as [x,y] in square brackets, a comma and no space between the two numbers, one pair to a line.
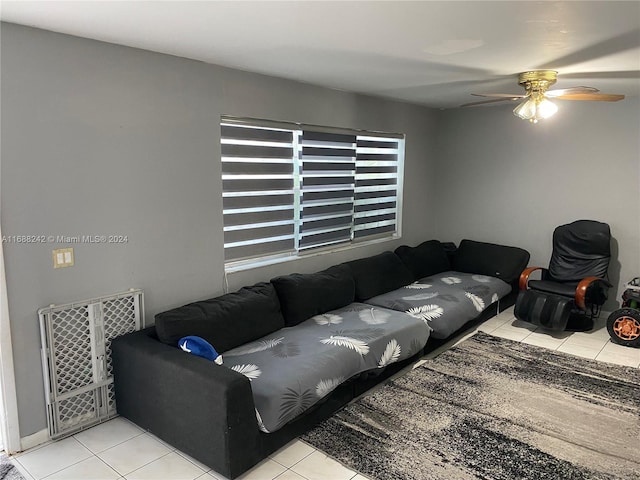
[552,312]
[580,322]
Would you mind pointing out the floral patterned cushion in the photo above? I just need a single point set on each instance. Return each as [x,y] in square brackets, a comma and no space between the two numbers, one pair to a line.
[446,301]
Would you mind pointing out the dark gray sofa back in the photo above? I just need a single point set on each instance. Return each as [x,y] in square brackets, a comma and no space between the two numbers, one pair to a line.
[225,322]
[428,258]
[379,274]
[501,261]
[252,312]
[303,296]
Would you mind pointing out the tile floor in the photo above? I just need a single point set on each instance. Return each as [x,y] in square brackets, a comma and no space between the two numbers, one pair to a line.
[119,450]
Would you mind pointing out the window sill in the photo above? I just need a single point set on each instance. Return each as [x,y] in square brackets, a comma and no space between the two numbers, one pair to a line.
[242,265]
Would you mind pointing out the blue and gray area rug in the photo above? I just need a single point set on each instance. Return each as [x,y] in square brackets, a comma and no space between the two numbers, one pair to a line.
[494,409]
[7,470]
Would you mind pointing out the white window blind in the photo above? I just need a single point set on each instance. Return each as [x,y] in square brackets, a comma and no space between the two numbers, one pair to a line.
[257,190]
[327,188]
[378,176]
[289,188]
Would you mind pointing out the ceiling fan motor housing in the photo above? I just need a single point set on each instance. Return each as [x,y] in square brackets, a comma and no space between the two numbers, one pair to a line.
[537,81]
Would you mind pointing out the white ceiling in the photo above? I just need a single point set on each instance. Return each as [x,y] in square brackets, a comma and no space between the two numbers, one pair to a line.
[427,52]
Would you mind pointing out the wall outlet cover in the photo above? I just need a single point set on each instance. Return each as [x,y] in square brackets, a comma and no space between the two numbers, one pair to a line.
[63,257]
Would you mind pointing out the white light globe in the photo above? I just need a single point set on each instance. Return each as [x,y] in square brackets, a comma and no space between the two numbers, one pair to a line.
[546,109]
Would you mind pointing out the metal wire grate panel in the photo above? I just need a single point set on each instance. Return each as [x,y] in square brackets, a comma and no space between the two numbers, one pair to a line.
[76,358]
[72,357]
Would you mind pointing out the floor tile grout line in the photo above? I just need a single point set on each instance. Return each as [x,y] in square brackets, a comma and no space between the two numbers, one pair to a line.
[290,467]
[24,468]
[142,466]
[112,446]
[333,459]
[615,355]
[601,349]
[160,441]
[38,447]
[565,340]
[293,471]
[116,472]
[530,333]
[182,454]
[73,464]
[66,466]
[148,463]
[63,468]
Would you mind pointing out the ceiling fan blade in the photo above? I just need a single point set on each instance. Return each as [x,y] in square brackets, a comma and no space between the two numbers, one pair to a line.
[570,91]
[486,102]
[620,43]
[608,74]
[594,97]
[508,96]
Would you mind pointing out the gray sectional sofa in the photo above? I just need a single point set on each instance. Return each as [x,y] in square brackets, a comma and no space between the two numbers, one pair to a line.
[301,346]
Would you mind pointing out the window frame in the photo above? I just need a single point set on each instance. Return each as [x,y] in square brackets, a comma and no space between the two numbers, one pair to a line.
[298,129]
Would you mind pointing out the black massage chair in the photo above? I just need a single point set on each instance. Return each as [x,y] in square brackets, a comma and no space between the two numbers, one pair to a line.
[572,290]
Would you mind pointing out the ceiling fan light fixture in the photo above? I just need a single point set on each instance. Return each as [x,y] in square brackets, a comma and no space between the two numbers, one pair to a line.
[535,108]
[526,109]
[546,108]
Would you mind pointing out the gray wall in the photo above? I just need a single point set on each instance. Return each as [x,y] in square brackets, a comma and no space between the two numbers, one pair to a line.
[103,139]
[502,179]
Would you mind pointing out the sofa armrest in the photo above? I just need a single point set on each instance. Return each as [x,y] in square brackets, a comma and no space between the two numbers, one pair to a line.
[203,409]
[500,261]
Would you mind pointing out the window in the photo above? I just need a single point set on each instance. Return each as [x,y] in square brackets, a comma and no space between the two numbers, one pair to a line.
[289,189]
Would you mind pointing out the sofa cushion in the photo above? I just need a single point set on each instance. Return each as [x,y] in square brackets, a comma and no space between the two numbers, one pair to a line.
[296,368]
[503,262]
[379,274]
[227,321]
[426,259]
[446,300]
[304,295]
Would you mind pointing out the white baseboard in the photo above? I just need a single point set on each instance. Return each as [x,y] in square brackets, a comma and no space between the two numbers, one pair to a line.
[34,439]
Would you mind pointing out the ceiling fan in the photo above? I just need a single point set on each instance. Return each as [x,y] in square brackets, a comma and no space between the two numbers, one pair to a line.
[536,104]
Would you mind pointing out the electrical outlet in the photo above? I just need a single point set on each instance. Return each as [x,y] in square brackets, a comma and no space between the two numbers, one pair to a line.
[63,257]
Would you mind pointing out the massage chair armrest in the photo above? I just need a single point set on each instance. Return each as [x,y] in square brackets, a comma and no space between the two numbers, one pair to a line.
[523,282]
[205,410]
[585,289]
